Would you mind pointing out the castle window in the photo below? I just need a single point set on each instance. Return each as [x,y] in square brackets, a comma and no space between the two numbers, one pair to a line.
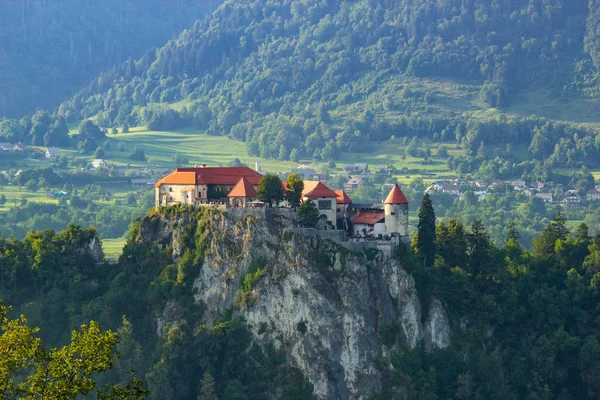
[393,213]
[170,189]
[324,204]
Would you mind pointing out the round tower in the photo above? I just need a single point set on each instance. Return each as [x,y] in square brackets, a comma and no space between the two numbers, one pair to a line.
[396,212]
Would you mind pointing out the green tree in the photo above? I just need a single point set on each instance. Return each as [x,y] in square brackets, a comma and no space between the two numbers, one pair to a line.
[28,370]
[425,245]
[99,153]
[295,186]
[308,214]
[32,185]
[2,199]
[131,199]
[207,388]
[270,189]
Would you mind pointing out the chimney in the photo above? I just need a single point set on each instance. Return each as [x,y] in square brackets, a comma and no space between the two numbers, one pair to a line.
[203,166]
[195,165]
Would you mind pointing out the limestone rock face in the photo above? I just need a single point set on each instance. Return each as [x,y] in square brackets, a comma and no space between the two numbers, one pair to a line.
[94,249]
[437,328]
[320,301]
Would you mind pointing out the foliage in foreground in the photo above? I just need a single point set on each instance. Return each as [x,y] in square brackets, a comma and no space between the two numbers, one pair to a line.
[30,371]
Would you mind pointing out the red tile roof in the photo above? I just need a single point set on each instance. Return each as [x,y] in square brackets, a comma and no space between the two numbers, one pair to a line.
[369,218]
[242,189]
[210,176]
[317,189]
[450,188]
[593,191]
[396,196]
[342,197]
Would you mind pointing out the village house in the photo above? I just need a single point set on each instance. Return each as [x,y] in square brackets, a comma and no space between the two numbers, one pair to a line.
[573,200]
[353,184]
[546,197]
[381,169]
[357,168]
[453,190]
[593,195]
[518,185]
[52,152]
[99,163]
[18,147]
[6,146]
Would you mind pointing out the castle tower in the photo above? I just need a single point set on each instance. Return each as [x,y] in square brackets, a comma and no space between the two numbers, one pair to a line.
[396,212]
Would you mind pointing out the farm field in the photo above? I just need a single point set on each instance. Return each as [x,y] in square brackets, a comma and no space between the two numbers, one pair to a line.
[199,148]
[113,248]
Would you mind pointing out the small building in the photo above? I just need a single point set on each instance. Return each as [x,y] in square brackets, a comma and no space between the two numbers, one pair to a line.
[18,147]
[546,197]
[242,194]
[60,195]
[369,223]
[6,146]
[52,152]
[5,175]
[99,163]
[353,184]
[572,200]
[518,185]
[593,195]
[324,198]
[453,190]
[357,168]
[343,202]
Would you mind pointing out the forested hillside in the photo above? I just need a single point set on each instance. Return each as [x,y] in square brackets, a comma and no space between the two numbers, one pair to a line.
[314,78]
[50,49]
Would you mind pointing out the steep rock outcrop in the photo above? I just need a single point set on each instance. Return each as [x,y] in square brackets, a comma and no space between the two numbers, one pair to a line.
[320,301]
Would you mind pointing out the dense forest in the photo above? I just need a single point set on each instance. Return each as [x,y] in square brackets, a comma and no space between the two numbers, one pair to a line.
[312,79]
[524,322]
[51,49]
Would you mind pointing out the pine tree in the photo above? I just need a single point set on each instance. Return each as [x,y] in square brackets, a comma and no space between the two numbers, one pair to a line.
[560,224]
[426,238]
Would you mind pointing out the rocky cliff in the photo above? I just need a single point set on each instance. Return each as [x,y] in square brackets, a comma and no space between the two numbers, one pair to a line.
[326,305]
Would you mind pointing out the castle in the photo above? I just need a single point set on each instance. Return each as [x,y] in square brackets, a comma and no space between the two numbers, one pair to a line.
[236,187]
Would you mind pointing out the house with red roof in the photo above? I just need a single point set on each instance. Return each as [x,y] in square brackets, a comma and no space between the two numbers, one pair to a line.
[202,185]
[593,195]
[242,194]
[324,198]
[392,219]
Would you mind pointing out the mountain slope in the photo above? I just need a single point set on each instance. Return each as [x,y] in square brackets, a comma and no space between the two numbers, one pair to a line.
[311,79]
[50,49]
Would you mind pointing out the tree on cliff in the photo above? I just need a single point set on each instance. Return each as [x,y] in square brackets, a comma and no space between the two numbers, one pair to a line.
[425,241]
[28,370]
[270,189]
[308,214]
[295,186]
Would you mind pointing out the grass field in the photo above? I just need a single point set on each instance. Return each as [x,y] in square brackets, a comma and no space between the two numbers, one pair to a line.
[113,248]
[199,148]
